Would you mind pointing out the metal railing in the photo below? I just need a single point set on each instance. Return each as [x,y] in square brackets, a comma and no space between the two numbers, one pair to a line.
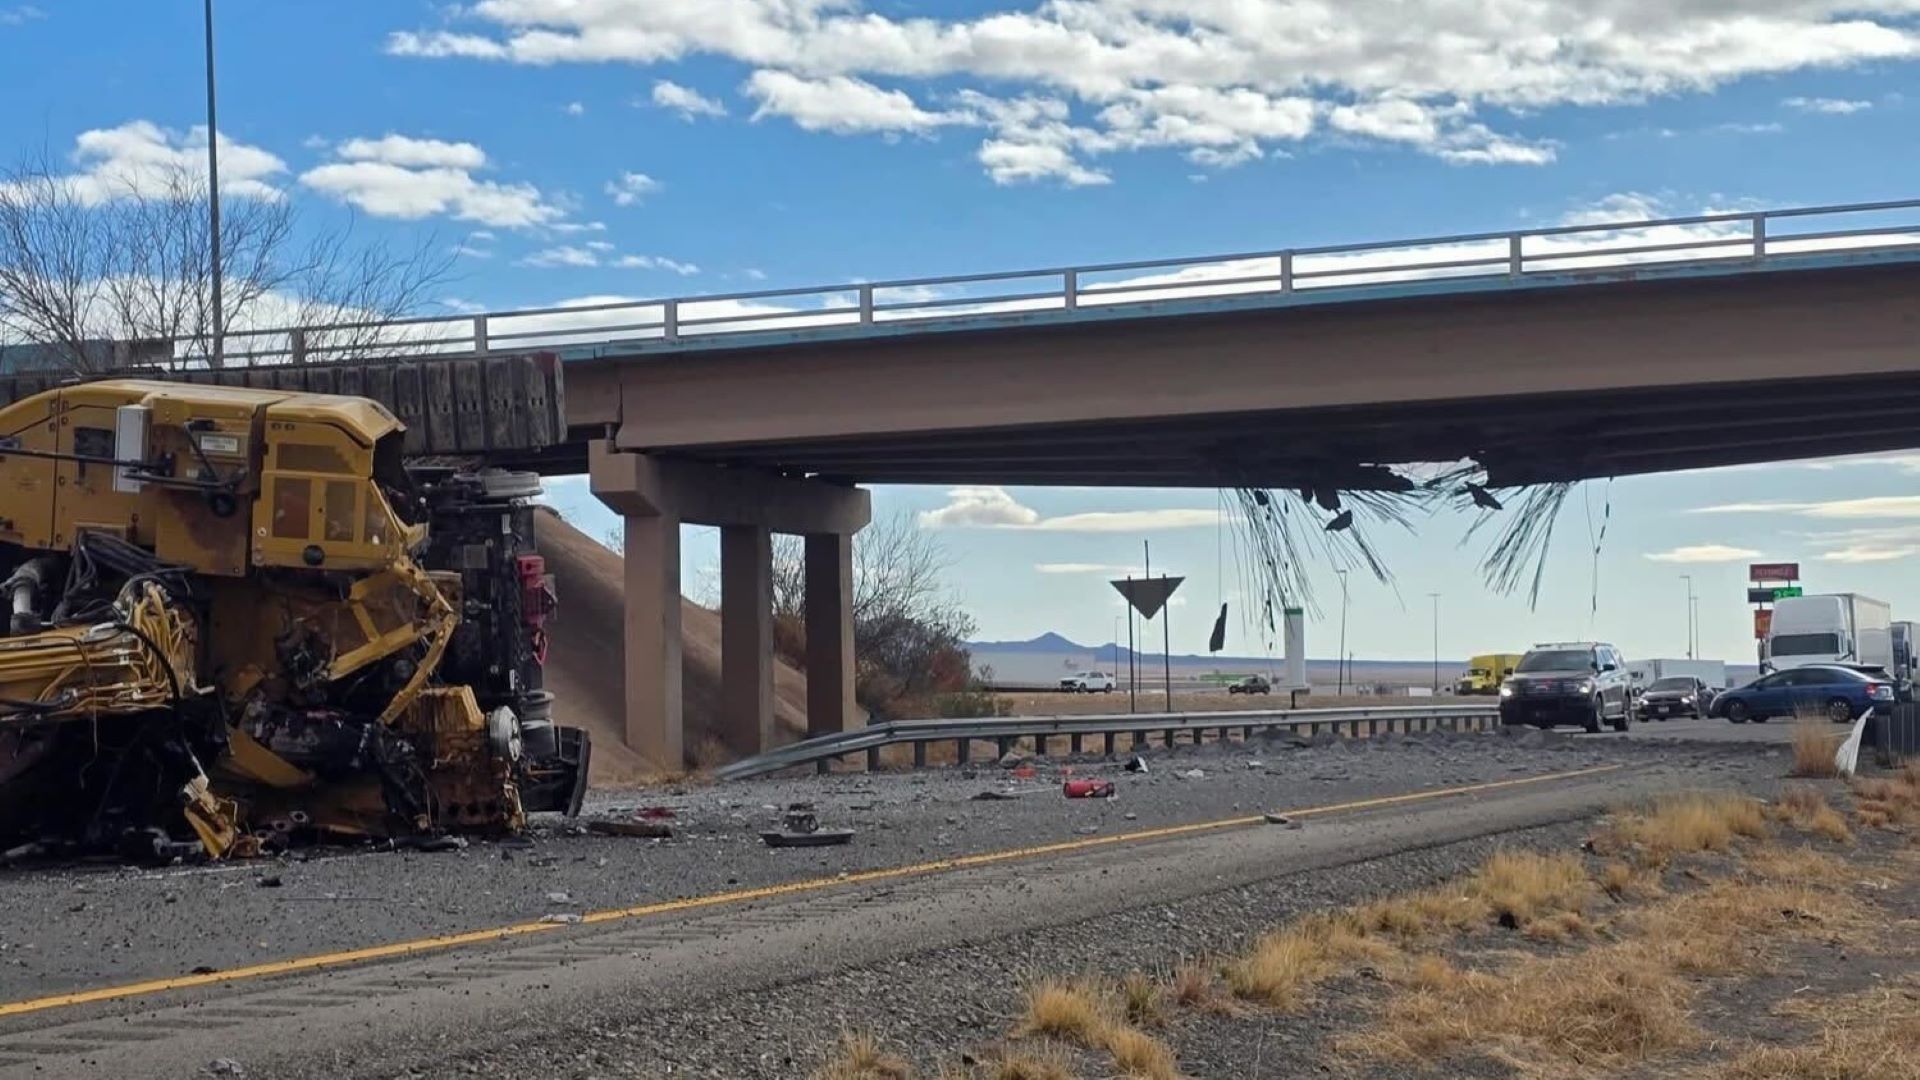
[1758,239]
[1003,732]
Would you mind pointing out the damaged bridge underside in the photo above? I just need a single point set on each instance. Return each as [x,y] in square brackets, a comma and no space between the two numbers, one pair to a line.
[1618,377]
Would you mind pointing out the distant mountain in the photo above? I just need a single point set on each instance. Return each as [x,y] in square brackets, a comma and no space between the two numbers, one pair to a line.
[1048,642]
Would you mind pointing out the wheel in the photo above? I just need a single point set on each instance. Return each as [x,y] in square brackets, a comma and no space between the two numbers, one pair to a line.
[1594,719]
[1840,711]
[1623,721]
[1738,712]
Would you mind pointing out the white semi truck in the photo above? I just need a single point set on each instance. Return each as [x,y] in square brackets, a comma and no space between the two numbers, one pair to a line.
[1647,672]
[1829,628]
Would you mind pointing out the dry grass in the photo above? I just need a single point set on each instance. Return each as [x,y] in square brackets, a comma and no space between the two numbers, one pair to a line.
[1092,1015]
[1418,914]
[859,1057]
[1804,808]
[1285,964]
[1075,1012]
[1814,745]
[1043,1063]
[1140,994]
[1682,825]
[1889,802]
[1870,1036]
[1620,1004]
[1519,887]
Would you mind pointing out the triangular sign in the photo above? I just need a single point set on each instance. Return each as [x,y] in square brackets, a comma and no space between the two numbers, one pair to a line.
[1148,595]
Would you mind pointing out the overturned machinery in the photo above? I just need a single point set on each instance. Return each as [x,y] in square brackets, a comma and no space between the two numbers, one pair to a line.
[235,620]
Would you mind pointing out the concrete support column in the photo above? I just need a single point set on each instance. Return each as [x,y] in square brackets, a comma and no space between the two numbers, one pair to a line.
[746,638]
[655,725]
[830,703]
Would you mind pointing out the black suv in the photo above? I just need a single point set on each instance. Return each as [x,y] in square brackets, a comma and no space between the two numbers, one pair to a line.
[1581,682]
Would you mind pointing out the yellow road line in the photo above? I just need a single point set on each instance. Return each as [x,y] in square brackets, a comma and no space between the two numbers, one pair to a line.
[477,937]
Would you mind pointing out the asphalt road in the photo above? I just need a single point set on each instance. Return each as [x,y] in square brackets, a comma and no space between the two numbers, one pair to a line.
[565,921]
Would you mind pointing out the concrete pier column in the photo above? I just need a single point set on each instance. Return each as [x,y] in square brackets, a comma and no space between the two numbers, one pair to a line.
[655,726]
[829,572]
[746,638]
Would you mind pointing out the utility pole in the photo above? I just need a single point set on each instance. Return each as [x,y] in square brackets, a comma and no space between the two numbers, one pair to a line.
[1341,659]
[1688,578]
[1435,597]
[1693,610]
[213,200]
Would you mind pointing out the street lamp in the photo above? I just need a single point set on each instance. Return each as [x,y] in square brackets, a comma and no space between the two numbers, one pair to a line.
[213,196]
[1341,659]
[1435,597]
[1688,578]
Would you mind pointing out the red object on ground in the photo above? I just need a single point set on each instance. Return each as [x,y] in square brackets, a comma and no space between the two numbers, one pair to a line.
[1023,772]
[1088,789]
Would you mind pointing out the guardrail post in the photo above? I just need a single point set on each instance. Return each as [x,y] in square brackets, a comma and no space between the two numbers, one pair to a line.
[481,346]
[963,751]
[1515,262]
[873,759]
[1039,746]
[1246,733]
[1759,236]
[1286,271]
[1073,743]
[297,345]
[919,755]
[1168,738]
[1071,289]
[1111,743]
[670,319]
[866,305]
[823,766]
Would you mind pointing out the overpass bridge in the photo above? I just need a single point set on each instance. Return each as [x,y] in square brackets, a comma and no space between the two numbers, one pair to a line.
[1553,354]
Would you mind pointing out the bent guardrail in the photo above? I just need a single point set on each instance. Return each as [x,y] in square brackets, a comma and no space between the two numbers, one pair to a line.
[823,750]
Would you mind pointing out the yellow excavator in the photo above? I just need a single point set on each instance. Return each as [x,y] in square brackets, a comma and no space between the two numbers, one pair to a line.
[236,620]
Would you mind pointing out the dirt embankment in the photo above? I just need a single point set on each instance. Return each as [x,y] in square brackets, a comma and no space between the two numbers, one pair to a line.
[586,664]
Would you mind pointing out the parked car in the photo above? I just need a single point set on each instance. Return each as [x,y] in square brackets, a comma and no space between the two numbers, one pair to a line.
[1679,695]
[1835,691]
[1252,684]
[1580,682]
[1088,682]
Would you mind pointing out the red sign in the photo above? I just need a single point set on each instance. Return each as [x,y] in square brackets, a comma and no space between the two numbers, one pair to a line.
[1773,571]
[1762,622]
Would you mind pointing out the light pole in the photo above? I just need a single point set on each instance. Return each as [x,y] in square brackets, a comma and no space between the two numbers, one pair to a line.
[213,198]
[1688,578]
[1436,642]
[1341,659]
[1693,610]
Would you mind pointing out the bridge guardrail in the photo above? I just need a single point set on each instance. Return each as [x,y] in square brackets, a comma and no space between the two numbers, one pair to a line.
[822,750]
[1761,239]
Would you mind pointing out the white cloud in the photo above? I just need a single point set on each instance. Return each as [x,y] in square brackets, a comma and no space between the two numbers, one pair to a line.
[631,187]
[1704,553]
[1877,506]
[563,255]
[656,262]
[979,507]
[1371,58]
[396,176]
[414,153]
[1867,545]
[1830,106]
[576,108]
[573,228]
[839,104]
[143,158]
[1105,569]
[469,251]
[995,508]
[20,15]
[688,102]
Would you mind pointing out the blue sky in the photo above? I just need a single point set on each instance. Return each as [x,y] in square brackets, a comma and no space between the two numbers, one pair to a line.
[674,147]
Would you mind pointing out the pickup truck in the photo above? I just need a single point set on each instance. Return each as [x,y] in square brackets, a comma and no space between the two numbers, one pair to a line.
[1088,682]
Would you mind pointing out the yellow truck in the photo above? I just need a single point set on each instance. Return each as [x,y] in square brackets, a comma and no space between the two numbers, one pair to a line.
[1485,673]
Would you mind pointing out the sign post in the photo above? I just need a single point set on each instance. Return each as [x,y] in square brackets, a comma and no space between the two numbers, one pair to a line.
[1148,596]
[1763,592]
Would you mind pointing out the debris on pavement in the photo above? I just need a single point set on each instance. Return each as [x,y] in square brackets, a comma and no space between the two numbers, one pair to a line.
[644,830]
[1137,764]
[1089,789]
[995,796]
[1274,818]
[802,829]
[561,918]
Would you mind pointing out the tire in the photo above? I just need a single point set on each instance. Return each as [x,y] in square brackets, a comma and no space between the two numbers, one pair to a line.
[1737,712]
[1840,711]
[1595,720]
[1621,724]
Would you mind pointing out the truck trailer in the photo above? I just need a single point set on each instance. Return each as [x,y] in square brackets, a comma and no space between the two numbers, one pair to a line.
[1830,628]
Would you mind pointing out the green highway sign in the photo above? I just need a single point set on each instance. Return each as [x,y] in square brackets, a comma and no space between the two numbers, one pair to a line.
[1784,591]
[1767,594]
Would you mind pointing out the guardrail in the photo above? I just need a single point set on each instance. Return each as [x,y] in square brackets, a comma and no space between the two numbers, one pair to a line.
[1759,239]
[823,750]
